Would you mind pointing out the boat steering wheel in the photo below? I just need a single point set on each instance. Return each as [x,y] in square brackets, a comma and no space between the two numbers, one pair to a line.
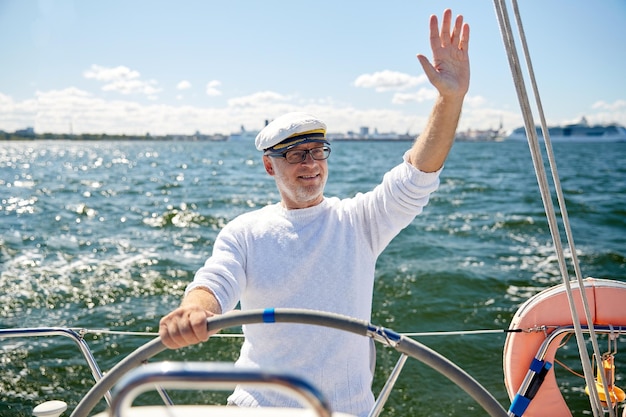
[400,343]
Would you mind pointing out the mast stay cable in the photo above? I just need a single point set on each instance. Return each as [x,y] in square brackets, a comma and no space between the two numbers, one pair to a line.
[531,133]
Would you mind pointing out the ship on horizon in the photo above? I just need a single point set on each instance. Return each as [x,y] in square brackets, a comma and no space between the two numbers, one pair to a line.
[576,132]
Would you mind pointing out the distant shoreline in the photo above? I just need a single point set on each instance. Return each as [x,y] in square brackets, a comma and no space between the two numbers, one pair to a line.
[10,137]
[180,138]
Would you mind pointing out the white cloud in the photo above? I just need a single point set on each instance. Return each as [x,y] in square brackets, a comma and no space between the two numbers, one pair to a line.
[388,80]
[79,111]
[183,85]
[132,86]
[110,74]
[475,101]
[16,115]
[71,109]
[212,88]
[261,98]
[606,112]
[123,80]
[58,110]
[616,105]
[423,94]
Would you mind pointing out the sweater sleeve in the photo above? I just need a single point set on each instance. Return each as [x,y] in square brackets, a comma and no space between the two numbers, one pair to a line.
[224,271]
[393,204]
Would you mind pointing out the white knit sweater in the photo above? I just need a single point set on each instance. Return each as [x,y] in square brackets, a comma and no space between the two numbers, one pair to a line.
[320,258]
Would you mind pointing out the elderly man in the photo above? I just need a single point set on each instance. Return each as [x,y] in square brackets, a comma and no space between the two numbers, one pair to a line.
[310,251]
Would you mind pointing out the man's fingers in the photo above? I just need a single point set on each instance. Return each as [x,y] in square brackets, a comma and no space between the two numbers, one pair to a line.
[430,71]
[456,32]
[183,328]
[197,320]
[445,35]
[465,35]
[435,38]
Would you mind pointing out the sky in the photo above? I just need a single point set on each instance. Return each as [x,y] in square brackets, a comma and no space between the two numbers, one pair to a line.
[179,67]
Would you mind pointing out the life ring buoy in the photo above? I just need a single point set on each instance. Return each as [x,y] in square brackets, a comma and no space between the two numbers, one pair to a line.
[607,303]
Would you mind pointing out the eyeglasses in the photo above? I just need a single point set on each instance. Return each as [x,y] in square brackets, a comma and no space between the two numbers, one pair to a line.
[297,156]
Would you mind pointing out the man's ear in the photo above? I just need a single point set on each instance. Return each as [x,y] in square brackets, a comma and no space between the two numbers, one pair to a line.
[269,168]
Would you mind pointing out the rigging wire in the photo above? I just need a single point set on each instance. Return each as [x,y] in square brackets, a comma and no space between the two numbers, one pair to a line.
[529,125]
[563,209]
[236,335]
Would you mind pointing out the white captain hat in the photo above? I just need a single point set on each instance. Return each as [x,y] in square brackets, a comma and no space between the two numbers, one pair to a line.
[289,130]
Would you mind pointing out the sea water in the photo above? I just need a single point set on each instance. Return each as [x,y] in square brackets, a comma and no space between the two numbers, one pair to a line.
[105,235]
